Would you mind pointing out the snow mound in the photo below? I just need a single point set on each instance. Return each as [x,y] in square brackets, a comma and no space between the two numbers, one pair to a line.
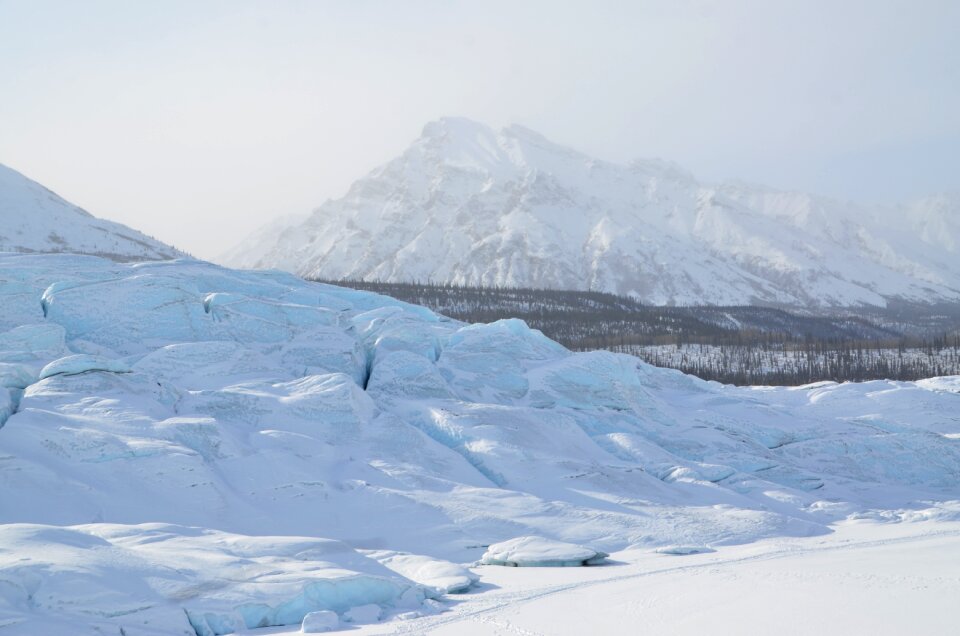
[318,622]
[154,579]
[447,577]
[81,363]
[683,550]
[541,552]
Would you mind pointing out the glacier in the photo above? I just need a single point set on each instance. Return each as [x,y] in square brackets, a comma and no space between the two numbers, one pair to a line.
[188,447]
[166,579]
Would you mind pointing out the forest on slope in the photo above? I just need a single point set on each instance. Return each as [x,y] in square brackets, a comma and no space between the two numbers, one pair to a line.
[735,345]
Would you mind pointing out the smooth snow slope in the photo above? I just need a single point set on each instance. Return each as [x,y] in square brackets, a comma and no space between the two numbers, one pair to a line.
[34,219]
[467,204]
[868,579]
[212,401]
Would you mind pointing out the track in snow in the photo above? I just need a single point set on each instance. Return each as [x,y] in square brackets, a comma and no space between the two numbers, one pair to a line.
[518,611]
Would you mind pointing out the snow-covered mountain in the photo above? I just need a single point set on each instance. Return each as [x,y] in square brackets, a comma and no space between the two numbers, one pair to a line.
[256,245]
[34,219]
[471,205]
[190,450]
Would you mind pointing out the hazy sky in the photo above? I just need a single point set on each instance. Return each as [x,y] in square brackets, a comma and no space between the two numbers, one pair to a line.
[199,121]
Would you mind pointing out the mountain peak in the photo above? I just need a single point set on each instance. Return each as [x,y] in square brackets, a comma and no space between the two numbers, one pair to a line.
[470,205]
[518,131]
[462,143]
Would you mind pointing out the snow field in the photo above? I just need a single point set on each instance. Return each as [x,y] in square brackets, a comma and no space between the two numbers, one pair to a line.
[868,578]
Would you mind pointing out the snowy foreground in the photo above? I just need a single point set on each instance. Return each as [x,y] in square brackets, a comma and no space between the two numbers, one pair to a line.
[867,579]
[189,450]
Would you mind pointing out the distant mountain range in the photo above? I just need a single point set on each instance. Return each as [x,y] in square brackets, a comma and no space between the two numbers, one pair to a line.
[34,219]
[471,205]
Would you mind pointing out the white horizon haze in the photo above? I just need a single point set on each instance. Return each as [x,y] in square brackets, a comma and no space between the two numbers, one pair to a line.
[197,122]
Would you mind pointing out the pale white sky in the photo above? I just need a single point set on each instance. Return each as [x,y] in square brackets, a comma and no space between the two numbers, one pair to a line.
[198,121]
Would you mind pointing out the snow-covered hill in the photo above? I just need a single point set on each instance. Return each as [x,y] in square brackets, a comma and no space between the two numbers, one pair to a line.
[467,204]
[34,219]
[186,449]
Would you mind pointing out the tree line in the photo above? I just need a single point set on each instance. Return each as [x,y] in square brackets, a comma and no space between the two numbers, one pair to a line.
[737,345]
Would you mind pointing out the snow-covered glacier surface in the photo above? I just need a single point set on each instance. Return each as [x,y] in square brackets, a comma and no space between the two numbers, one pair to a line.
[190,449]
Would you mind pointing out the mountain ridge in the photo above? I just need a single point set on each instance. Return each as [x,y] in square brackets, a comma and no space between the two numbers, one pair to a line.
[467,204]
[34,219]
